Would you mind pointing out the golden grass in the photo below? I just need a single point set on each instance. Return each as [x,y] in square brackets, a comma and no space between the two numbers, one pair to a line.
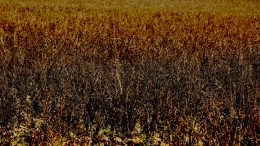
[149,71]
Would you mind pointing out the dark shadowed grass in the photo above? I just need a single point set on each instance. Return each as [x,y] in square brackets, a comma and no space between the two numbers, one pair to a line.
[163,94]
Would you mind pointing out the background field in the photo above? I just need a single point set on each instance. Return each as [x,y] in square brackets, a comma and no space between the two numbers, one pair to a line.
[128,72]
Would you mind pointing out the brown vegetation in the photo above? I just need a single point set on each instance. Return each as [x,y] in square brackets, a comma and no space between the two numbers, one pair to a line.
[71,73]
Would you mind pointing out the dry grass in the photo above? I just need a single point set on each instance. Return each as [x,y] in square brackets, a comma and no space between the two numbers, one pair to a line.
[127,72]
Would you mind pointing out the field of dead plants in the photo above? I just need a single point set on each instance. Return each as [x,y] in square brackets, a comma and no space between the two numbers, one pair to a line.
[170,72]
